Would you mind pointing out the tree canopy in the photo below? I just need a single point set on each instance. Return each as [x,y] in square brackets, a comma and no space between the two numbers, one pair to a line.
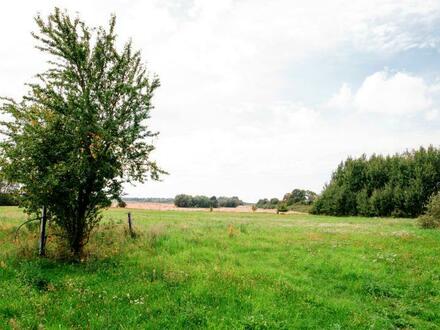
[399,185]
[81,131]
[183,200]
[297,196]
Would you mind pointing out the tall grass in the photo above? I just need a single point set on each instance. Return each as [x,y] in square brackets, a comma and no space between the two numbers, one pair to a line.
[226,270]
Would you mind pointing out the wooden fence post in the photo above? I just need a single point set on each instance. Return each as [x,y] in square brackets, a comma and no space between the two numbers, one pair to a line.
[130,226]
[42,243]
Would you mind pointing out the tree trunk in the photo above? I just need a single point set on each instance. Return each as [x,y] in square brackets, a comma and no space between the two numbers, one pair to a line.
[76,239]
[76,249]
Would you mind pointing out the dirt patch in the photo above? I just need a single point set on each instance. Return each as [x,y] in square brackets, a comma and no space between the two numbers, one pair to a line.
[172,207]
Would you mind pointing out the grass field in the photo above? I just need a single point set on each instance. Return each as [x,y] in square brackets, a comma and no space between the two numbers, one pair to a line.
[227,271]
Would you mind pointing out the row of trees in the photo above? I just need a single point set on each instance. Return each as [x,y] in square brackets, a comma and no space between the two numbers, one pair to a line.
[398,185]
[183,200]
[297,196]
[149,200]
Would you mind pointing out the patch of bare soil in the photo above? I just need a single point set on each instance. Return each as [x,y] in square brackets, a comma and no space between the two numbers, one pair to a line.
[172,207]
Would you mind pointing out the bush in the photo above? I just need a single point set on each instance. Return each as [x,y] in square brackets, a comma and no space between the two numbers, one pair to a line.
[299,196]
[183,200]
[267,204]
[9,194]
[293,199]
[229,201]
[303,208]
[8,200]
[122,204]
[431,219]
[281,208]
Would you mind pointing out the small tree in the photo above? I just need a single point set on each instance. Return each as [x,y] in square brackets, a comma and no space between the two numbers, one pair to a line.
[81,131]
[431,219]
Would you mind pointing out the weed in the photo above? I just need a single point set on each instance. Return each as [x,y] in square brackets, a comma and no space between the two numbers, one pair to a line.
[155,233]
[231,230]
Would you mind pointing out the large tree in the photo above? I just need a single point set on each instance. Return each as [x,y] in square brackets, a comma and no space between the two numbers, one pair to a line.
[81,131]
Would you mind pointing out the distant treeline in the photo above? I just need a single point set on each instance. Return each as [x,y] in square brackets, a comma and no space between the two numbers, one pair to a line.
[398,185]
[183,200]
[149,200]
[297,196]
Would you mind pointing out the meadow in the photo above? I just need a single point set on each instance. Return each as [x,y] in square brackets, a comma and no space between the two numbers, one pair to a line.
[222,270]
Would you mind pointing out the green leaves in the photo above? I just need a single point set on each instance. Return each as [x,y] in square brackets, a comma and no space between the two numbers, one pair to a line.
[82,129]
[398,185]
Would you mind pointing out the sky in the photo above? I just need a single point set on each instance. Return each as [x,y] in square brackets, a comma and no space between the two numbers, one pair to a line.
[260,97]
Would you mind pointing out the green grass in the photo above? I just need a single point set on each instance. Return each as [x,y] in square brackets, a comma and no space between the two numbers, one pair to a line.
[227,271]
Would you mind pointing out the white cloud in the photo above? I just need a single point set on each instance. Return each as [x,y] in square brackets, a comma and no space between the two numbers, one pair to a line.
[227,120]
[398,93]
[342,99]
[390,94]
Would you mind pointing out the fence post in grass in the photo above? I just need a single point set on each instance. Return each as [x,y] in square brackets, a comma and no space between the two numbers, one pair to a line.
[42,243]
[130,226]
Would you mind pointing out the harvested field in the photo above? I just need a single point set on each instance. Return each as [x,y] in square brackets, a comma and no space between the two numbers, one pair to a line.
[172,207]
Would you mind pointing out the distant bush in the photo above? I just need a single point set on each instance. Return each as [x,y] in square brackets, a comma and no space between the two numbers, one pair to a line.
[292,200]
[8,194]
[431,218]
[201,201]
[229,201]
[303,208]
[8,200]
[299,196]
[122,204]
[281,208]
[183,200]
[267,204]
[398,185]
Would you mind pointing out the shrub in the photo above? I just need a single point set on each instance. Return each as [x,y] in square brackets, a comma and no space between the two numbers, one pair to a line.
[431,219]
[267,204]
[8,200]
[229,201]
[122,204]
[296,198]
[183,200]
[299,196]
[201,201]
[281,208]
[9,194]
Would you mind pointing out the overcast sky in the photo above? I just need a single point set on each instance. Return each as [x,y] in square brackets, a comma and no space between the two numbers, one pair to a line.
[261,97]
